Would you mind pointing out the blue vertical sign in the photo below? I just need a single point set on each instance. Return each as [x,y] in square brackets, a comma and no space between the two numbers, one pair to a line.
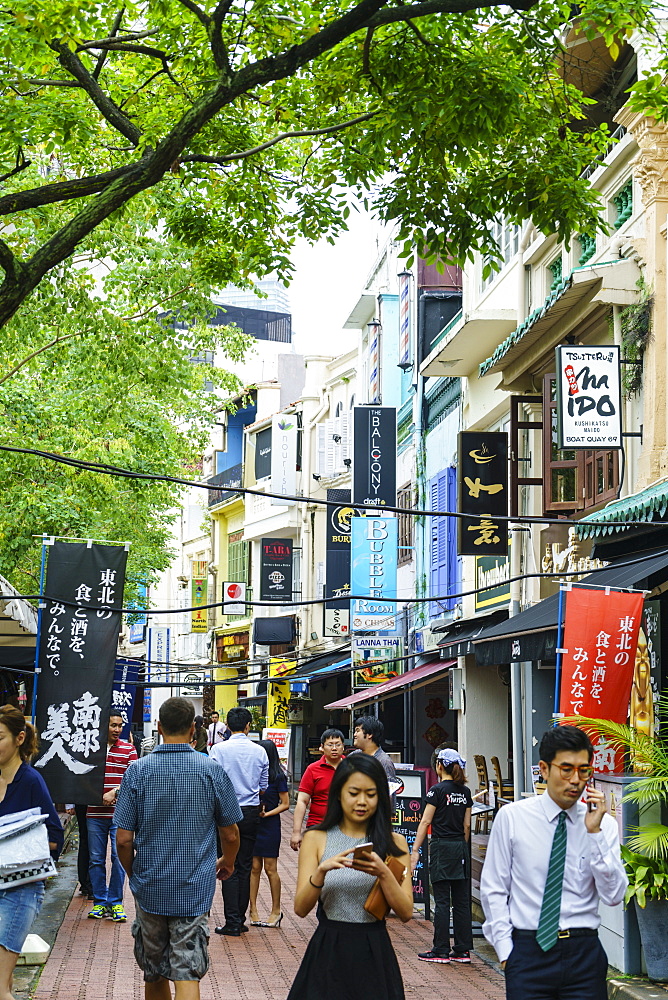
[374,547]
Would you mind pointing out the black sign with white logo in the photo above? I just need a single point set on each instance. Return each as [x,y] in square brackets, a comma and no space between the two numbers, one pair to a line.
[375,456]
[276,569]
[337,569]
[482,481]
[263,453]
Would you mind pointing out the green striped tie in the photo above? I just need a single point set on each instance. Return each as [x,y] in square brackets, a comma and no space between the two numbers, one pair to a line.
[548,924]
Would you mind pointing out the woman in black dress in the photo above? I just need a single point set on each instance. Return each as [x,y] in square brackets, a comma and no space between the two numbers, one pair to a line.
[350,953]
[268,841]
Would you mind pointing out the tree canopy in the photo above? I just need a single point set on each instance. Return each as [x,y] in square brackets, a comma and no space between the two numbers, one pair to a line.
[154,152]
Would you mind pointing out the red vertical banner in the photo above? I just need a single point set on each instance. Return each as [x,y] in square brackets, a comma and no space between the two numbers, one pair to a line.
[600,636]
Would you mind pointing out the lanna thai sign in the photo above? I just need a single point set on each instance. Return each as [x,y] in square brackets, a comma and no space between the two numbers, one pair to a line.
[482,489]
[599,641]
[77,654]
[589,401]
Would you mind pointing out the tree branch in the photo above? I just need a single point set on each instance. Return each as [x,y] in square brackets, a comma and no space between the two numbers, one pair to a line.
[21,164]
[9,263]
[102,58]
[107,108]
[134,37]
[49,194]
[393,14]
[140,315]
[197,11]
[40,350]
[297,134]
[43,83]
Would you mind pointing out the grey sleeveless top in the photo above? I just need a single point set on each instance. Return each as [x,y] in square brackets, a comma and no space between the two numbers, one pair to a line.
[345,890]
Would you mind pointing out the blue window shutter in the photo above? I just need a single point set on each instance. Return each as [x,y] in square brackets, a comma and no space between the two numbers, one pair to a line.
[454,563]
[444,563]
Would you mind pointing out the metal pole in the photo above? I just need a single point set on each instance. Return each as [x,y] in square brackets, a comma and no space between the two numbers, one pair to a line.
[40,605]
[560,637]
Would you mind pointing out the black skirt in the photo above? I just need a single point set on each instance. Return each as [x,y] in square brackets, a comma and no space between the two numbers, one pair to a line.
[347,962]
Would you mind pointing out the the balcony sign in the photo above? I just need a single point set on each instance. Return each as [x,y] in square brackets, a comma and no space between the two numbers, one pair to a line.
[276,569]
[375,456]
[598,658]
[374,545]
[283,457]
[482,486]
[589,401]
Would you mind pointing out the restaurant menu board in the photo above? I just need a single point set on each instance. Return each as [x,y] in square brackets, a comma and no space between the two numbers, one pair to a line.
[406,820]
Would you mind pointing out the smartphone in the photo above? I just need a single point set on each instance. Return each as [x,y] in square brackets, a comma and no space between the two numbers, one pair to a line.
[591,784]
[362,851]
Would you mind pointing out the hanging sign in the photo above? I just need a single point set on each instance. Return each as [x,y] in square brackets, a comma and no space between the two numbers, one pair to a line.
[77,654]
[278,691]
[482,486]
[263,453]
[600,637]
[404,320]
[589,399]
[276,569]
[375,456]
[337,566]
[283,457]
[372,660]
[234,598]
[124,691]
[374,573]
[198,592]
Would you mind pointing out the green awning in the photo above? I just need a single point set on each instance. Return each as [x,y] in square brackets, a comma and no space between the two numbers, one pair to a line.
[650,504]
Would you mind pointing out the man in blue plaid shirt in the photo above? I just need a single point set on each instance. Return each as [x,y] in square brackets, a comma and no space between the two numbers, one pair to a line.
[169,806]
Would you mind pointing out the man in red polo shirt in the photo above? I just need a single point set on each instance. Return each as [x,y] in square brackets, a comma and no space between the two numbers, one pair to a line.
[314,786]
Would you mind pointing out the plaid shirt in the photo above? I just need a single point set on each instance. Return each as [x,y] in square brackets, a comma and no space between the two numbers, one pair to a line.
[172,800]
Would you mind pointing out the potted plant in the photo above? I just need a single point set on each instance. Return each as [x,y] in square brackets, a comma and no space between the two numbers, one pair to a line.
[646,854]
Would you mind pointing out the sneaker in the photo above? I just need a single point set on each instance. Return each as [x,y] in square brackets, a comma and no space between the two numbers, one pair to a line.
[98,912]
[432,956]
[463,957]
[118,914]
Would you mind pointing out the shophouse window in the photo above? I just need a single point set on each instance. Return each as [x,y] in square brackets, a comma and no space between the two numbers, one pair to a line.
[444,568]
[238,565]
[405,524]
[573,480]
[507,238]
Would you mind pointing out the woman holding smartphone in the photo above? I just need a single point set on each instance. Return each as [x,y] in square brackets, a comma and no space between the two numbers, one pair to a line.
[448,812]
[350,946]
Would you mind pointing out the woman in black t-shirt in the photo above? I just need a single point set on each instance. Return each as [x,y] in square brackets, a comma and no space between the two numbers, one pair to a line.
[448,811]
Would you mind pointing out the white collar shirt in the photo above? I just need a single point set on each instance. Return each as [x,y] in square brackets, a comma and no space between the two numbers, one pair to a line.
[516,863]
[216,733]
[247,767]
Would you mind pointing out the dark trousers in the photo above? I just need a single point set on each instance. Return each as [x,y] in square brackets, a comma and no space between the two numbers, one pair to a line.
[83,860]
[236,889]
[574,969]
[459,891]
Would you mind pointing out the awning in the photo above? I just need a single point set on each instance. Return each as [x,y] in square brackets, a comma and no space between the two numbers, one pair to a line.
[325,664]
[458,636]
[610,281]
[650,504]
[532,635]
[411,679]
[18,628]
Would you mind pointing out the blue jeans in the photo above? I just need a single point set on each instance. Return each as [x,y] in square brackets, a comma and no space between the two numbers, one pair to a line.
[100,830]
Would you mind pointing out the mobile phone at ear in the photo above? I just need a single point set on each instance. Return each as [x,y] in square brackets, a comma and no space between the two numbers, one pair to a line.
[591,784]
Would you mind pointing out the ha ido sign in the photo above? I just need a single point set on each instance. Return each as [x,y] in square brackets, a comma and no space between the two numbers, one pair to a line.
[589,397]
[374,546]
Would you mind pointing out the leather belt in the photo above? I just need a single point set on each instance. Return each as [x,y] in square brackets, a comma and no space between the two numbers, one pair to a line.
[568,933]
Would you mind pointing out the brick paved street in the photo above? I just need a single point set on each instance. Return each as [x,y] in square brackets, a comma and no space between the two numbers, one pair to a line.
[93,959]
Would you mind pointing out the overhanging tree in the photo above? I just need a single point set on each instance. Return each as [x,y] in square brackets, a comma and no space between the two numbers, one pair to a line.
[153,153]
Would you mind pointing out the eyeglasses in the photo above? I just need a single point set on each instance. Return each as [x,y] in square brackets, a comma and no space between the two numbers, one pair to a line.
[567,771]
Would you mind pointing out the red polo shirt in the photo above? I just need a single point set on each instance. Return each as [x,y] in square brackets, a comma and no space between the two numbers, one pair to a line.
[316,780]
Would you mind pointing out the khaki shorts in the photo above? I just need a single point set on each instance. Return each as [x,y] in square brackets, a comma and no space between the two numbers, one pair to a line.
[175,948]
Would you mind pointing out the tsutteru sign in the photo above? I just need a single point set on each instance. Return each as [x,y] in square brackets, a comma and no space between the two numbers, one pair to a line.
[589,402]
[482,486]
[600,636]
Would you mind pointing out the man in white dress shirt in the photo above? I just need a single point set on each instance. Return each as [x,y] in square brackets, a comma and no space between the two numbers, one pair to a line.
[247,767]
[217,731]
[551,860]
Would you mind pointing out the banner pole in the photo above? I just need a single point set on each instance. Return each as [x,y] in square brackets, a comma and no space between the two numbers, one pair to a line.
[42,574]
[560,638]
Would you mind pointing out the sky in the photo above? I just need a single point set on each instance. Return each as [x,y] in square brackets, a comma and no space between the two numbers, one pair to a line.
[328,282]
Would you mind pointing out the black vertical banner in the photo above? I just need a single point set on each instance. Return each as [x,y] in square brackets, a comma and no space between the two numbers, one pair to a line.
[337,566]
[482,484]
[77,655]
[375,456]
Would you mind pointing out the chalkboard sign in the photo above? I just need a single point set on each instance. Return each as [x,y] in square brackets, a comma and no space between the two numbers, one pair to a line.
[406,822]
